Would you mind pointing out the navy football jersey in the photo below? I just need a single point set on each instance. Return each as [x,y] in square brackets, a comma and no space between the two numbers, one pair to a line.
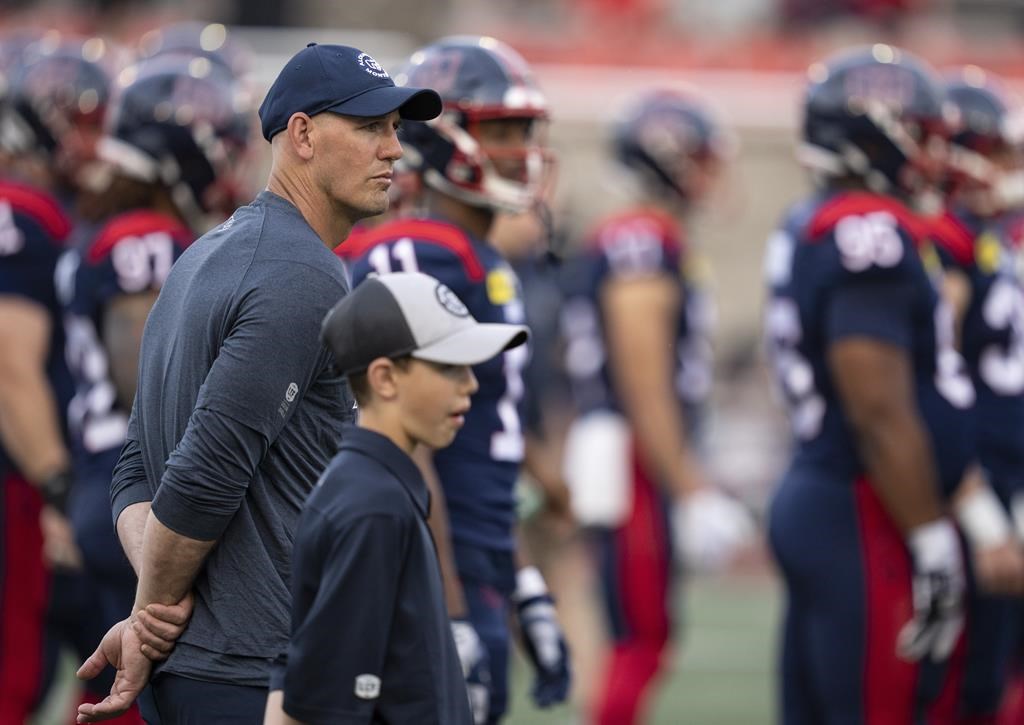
[636,244]
[33,234]
[479,469]
[849,246]
[992,337]
[131,253]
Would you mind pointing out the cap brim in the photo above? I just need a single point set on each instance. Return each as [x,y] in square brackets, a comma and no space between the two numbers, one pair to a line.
[414,104]
[474,345]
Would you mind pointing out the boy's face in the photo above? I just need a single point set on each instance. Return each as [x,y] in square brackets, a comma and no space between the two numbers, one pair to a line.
[434,400]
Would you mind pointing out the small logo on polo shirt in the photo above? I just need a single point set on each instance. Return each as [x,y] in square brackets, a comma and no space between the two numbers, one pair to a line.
[450,301]
[367,687]
[289,398]
[371,66]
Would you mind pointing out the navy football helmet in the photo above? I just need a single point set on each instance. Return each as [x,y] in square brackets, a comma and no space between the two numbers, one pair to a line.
[666,138]
[876,114]
[179,121]
[985,164]
[480,79]
[56,92]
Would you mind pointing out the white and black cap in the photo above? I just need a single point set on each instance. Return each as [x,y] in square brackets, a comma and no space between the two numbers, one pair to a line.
[411,313]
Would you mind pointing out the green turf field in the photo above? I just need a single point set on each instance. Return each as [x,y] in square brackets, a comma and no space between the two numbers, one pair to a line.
[724,672]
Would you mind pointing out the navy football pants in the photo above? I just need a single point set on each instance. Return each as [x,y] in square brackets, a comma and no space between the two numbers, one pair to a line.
[848,579]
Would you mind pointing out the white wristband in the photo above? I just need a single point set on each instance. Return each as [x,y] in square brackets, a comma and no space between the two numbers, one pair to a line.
[529,583]
[983,518]
[934,544]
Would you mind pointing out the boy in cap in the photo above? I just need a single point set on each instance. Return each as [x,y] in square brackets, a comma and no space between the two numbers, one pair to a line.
[370,634]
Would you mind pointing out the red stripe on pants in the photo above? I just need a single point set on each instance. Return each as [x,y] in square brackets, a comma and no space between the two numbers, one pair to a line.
[643,573]
[23,593]
[889,682]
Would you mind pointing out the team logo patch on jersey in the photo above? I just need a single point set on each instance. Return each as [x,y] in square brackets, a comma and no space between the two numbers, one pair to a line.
[987,253]
[291,392]
[501,287]
[367,687]
[450,301]
[371,66]
[930,259]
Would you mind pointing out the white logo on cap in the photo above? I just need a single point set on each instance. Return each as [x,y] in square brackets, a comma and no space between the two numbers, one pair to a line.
[371,66]
[367,687]
[450,301]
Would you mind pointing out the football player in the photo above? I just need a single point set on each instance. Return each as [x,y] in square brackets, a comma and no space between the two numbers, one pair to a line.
[53,95]
[984,291]
[880,405]
[483,154]
[636,323]
[213,42]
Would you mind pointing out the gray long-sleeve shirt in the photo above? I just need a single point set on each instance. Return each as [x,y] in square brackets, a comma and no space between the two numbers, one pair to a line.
[237,413]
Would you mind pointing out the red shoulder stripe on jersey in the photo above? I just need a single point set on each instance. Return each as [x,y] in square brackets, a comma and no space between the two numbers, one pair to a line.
[670,230]
[424,231]
[862,202]
[953,235]
[354,240]
[1014,233]
[38,205]
[134,224]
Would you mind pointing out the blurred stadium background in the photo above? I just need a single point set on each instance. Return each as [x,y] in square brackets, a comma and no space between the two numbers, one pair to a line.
[748,58]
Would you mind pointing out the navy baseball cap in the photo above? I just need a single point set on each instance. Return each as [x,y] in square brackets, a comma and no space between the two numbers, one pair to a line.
[344,80]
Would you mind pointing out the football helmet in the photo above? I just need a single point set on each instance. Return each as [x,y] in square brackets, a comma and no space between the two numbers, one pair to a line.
[480,79]
[178,121]
[877,114]
[667,138]
[986,142]
[56,92]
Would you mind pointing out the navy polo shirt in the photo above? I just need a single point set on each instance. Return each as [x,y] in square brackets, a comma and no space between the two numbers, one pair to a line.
[371,640]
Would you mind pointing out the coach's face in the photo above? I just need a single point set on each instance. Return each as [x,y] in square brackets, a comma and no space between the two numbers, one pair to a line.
[354,161]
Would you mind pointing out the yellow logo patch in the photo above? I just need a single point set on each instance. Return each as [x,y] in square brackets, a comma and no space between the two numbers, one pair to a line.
[501,287]
[930,258]
[987,253]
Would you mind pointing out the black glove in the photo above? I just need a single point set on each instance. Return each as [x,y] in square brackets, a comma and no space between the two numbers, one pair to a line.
[56,488]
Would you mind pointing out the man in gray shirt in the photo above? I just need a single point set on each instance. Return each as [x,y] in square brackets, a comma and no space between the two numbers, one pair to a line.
[239,407]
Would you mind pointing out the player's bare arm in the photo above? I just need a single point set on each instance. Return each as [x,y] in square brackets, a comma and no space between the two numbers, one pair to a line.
[875,384]
[640,315]
[28,411]
[995,549]
[438,521]
[123,321]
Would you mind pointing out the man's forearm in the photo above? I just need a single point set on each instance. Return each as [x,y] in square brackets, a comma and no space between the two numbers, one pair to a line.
[131,528]
[169,565]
